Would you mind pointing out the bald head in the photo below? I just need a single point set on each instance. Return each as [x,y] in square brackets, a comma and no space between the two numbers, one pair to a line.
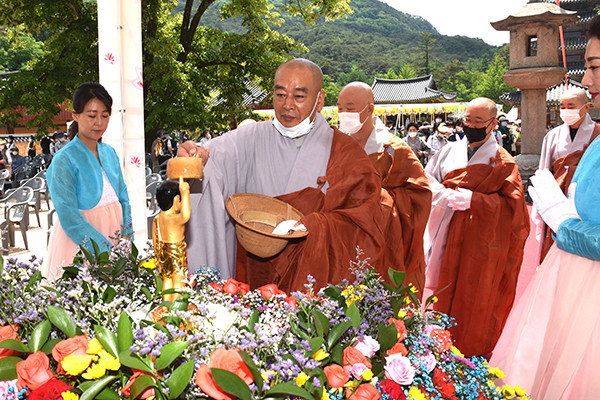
[575,94]
[357,97]
[316,74]
[359,91]
[486,106]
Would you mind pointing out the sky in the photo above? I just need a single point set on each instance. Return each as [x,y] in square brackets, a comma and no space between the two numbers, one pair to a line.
[463,17]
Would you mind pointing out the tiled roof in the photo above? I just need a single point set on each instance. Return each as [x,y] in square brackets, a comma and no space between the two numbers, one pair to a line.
[255,96]
[552,93]
[415,90]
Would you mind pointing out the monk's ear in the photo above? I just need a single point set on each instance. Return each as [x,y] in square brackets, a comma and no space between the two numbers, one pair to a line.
[321,100]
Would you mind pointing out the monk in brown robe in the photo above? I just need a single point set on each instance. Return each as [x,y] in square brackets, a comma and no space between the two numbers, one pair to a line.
[405,195]
[301,160]
[476,231]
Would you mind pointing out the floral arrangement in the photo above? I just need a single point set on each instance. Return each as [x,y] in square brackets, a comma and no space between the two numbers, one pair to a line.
[91,335]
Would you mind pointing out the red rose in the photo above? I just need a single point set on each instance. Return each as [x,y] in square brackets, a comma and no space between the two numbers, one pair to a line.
[216,286]
[336,375]
[77,345]
[443,383]
[442,339]
[291,300]
[148,392]
[353,356]
[231,286]
[363,392]
[270,290]
[51,390]
[400,327]
[229,360]
[399,347]
[392,389]
[34,371]
[8,332]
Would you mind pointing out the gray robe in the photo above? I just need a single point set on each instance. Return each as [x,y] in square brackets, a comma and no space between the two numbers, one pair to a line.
[253,159]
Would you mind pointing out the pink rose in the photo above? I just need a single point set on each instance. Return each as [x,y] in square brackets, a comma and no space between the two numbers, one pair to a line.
[34,371]
[8,332]
[427,363]
[357,370]
[399,369]
[352,356]
[368,346]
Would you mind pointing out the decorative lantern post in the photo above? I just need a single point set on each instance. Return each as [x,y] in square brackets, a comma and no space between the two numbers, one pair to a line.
[534,67]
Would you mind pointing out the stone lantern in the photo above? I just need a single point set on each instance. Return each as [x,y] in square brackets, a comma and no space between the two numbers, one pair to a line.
[534,67]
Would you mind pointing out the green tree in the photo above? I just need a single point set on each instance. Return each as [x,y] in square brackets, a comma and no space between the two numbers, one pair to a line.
[491,84]
[332,90]
[194,74]
[424,56]
[355,74]
[17,49]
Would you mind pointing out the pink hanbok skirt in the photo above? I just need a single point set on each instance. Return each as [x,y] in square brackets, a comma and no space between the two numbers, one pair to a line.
[550,344]
[106,219]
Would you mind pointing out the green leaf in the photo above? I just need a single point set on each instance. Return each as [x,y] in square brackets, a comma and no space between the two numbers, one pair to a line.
[106,394]
[108,340]
[47,349]
[180,378]
[62,320]
[321,322]
[124,332]
[133,361]
[180,303]
[397,277]
[98,386]
[387,336]
[35,278]
[253,369]
[337,331]
[337,354]
[168,353]
[253,320]
[12,344]
[109,294]
[231,383]
[316,344]
[353,313]
[333,292]
[8,368]
[1,264]
[141,383]
[288,388]
[147,293]
[96,248]
[39,336]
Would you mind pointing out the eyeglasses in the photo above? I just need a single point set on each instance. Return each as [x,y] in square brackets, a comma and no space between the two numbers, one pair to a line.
[469,121]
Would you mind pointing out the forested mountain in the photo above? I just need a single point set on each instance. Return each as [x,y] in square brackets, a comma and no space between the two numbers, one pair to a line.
[375,38]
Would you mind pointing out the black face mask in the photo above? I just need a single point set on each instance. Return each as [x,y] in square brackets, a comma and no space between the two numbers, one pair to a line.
[475,135]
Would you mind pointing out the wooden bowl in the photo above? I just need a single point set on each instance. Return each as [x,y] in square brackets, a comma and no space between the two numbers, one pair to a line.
[255,217]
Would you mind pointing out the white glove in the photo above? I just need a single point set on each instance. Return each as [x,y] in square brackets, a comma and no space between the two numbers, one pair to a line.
[554,207]
[286,227]
[460,200]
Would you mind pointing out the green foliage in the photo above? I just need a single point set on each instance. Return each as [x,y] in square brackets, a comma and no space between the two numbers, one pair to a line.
[17,49]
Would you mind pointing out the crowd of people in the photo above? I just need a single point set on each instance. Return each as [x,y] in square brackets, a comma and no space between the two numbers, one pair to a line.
[449,211]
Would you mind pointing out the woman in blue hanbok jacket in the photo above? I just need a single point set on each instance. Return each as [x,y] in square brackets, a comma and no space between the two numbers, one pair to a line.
[551,342]
[86,185]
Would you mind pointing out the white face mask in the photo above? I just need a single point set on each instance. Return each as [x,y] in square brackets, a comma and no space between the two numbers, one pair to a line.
[412,134]
[350,121]
[438,120]
[299,130]
[571,116]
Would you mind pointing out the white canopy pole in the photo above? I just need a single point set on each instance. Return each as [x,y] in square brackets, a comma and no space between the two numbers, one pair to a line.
[120,56]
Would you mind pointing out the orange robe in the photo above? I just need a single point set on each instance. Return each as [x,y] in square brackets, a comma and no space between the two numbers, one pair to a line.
[483,254]
[406,202]
[347,217]
[563,170]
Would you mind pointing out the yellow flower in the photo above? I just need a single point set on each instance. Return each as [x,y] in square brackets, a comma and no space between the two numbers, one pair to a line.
[519,391]
[497,372]
[109,361]
[457,351]
[367,375]
[508,391]
[69,396]
[301,379]
[94,346]
[325,395]
[402,314]
[320,355]
[415,394]
[148,264]
[413,289]
[353,293]
[95,371]
[75,365]
[434,299]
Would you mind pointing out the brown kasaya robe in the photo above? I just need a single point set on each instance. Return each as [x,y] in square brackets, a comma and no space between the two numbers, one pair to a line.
[343,219]
[406,202]
[563,170]
[484,251]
